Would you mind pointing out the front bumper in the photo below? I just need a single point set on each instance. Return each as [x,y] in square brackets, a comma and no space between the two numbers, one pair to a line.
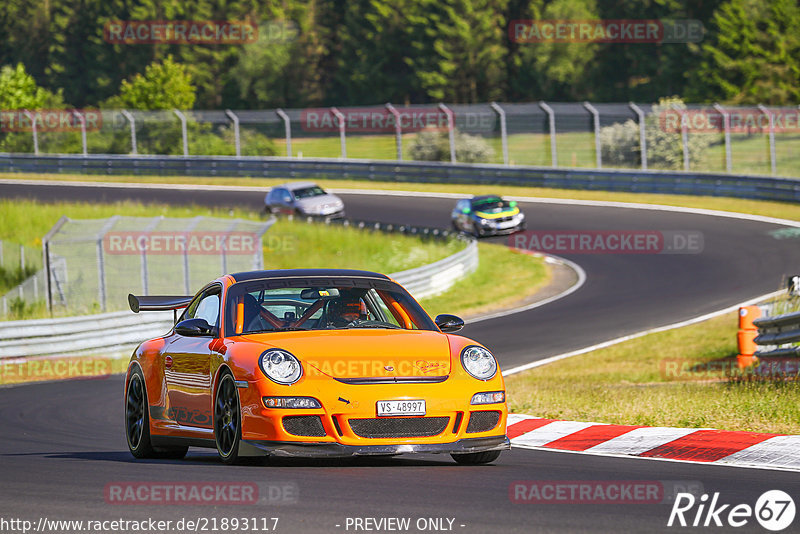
[490,230]
[337,450]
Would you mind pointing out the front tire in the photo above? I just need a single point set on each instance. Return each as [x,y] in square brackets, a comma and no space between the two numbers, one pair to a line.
[227,420]
[476,458]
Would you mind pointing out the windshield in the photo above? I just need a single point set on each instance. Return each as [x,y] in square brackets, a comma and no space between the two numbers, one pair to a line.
[271,306]
[308,192]
[490,204]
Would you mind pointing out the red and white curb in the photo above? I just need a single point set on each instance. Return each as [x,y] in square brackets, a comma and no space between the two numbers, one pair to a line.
[716,447]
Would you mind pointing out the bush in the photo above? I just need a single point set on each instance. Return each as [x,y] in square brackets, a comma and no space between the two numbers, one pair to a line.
[435,146]
[620,142]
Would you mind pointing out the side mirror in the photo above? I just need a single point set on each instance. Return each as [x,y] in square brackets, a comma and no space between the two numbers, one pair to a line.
[194,328]
[449,323]
[465,211]
[513,203]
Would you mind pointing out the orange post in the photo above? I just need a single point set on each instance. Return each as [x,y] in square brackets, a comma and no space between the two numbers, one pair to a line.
[747,334]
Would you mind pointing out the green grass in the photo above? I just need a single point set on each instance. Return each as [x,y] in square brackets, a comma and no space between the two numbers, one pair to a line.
[635,383]
[295,244]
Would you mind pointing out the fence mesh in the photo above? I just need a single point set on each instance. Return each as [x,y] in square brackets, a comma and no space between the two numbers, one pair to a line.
[95,263]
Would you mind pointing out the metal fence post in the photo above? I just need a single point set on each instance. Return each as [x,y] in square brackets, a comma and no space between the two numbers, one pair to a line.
[551,119]
[82,119]
[596,120]
[726,123]
[398,130]
[186,281]
[642,134]
[503,132]
[184,134]
[236,142]
[773,164]
[101,266]
[46,260]
[451,127]
[685,138]
[287,126]
[342,140]
[33,131]
[22,258]
[132,122]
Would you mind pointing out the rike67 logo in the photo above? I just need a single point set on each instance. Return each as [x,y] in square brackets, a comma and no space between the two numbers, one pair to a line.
[774,510]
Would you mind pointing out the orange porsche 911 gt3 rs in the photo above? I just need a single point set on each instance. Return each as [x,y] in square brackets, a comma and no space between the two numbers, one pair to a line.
[311,362]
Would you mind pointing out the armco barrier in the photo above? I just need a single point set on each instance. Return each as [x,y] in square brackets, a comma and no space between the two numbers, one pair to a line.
[120,331]
[779,331]
[628,180]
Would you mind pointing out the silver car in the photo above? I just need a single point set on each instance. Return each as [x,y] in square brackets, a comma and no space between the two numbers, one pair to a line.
[306,199]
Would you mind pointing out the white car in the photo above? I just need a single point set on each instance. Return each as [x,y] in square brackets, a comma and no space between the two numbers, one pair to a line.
[306,199]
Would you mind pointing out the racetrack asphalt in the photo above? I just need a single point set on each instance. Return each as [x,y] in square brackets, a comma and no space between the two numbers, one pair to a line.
[63,442]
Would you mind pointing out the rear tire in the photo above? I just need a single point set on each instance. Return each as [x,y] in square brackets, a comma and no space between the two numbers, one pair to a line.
[137,423]
[227,420]
[476,458]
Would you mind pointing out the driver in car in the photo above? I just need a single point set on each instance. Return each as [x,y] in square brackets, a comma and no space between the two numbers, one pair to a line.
[345,310]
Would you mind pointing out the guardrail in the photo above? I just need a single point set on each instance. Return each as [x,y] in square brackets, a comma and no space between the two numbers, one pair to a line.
[626,180]
[121,331]
[776,331]
[765,337]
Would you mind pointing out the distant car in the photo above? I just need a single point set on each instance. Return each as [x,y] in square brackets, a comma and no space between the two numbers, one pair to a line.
[305,199]
[487,215]
[311,363]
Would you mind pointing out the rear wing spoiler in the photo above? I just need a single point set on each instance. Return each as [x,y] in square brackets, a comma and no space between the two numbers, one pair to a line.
[158,303]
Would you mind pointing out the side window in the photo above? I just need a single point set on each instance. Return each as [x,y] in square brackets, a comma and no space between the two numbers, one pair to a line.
[206,307]
[462,204]
[286,196]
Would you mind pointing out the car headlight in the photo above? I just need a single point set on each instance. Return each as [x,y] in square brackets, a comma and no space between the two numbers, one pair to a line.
[280,366]
[478,362]
[485,222]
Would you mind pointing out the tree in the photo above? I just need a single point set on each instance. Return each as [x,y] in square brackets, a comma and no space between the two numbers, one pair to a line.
[18,90]
[164,85]
[753,55]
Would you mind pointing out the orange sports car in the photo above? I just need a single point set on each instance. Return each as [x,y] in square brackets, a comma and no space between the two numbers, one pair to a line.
[313,363]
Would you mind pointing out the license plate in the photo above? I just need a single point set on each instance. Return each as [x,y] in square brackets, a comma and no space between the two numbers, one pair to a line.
[401,407]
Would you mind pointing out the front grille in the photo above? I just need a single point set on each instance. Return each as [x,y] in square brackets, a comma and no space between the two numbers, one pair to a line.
[482,421]
[399,427]
[304,425]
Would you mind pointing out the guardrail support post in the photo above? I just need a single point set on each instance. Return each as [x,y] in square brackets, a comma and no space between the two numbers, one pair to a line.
[22,258]
[342,140]
[451,130]
[642,134]
[236,142]
[132,122]
[773,164]
[726,124]
[551,119]
[287,127]
[596,121]
[503,131]
[398,130]
[33,131]
[82,120]
[184,133]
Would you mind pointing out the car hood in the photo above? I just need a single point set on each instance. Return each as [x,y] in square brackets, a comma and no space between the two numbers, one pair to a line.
[320,200]
[497,213]
[363,353]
